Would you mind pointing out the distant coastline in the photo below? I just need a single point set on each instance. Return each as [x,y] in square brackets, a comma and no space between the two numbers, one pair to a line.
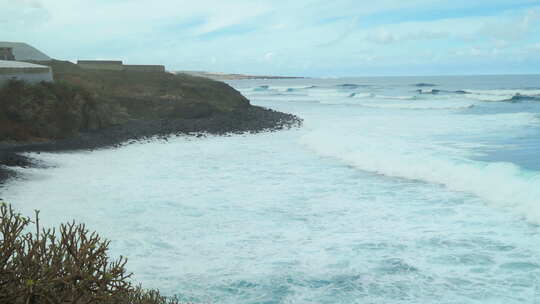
[225,76]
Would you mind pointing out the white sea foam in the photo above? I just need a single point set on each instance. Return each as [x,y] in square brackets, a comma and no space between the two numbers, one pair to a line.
[503,184]
[489,97]
[405,148]
[258,218]
[416,106]
[397,97]
[531,92]
[428,91]
[373,100]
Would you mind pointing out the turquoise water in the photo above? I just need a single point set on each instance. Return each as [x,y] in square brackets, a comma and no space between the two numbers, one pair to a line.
[386,195]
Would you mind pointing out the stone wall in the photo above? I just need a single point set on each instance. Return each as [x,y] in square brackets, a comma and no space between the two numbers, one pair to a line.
[144,68]
[110,65]
[101,65]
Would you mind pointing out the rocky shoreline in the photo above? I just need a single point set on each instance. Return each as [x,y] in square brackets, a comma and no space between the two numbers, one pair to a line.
[252,119]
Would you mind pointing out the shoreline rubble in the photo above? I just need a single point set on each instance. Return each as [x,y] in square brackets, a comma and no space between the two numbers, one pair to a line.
[253,119]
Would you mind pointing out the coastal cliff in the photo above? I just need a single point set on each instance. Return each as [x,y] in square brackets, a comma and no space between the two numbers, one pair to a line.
[88,109]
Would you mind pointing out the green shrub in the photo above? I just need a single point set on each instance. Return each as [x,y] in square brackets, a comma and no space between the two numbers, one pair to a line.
[68,265]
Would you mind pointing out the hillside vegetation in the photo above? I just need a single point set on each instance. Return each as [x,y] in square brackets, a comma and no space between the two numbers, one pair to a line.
[163,90]
[52,111]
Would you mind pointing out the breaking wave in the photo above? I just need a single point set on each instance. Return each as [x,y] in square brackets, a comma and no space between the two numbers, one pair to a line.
[488,95]
[373,95]
[502,184]
[423,84]
[503,95]
[416,106]
[337,94]
[362,95]
[414,156]
[352,86]
[261,88]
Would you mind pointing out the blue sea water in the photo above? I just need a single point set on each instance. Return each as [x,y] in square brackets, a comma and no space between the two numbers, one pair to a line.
[387,194]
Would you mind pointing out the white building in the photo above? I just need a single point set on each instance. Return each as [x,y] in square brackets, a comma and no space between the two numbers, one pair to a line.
[28,72]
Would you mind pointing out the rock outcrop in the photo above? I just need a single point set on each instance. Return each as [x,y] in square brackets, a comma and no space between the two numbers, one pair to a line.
[87,100]
[88,109]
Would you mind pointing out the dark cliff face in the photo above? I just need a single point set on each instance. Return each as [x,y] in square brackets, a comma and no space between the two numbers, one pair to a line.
[52,111]
[87,100]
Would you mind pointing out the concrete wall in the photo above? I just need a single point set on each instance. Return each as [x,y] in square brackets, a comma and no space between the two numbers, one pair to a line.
[28,72]
[145,68]
[31,78]
[101,65]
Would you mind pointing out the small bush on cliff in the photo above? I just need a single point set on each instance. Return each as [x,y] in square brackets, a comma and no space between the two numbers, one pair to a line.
[68,265]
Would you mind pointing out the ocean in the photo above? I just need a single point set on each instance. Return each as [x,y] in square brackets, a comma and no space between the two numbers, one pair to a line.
[395,190]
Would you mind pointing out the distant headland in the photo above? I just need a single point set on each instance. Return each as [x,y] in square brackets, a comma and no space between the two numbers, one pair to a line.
[226,76]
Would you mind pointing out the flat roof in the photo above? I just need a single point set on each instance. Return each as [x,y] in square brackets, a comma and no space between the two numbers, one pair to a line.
[144,65]
[100,61]
[20,65]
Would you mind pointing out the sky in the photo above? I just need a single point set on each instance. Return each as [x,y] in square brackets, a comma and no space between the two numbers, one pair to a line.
[287,37]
